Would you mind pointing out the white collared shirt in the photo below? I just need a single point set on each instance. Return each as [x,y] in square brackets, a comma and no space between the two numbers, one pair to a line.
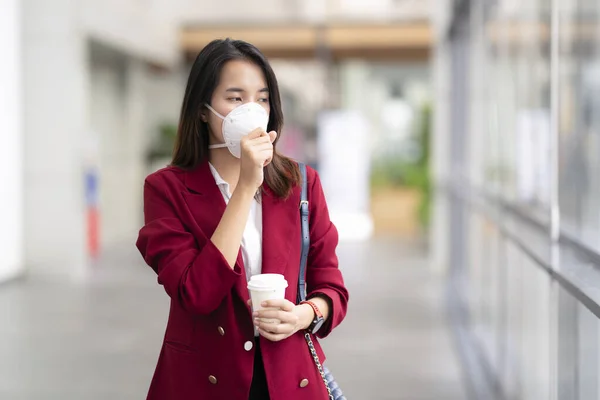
[252,238]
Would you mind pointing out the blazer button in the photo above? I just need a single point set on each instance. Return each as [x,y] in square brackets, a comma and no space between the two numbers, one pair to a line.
[248,345]
[221,331]
[212,379]
[304,383]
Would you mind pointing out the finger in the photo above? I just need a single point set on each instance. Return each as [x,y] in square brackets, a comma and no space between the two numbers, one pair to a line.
[270,314]
[262,154]
[268,327]
[263,147]
[283,304]
[283,316]
[270,151]
[249,302]
[275,329]
[260,140]
[262,159]
[256,133]
[257,147]
[271,336]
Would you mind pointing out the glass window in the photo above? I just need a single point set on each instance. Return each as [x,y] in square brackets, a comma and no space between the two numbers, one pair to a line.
[580,120]
[511,101]
[534,334]
[578,364]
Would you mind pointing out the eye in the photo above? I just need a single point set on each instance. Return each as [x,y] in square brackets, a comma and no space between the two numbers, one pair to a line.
[235,99]
[264,100]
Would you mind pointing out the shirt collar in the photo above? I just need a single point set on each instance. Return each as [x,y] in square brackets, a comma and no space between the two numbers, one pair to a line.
[218,179]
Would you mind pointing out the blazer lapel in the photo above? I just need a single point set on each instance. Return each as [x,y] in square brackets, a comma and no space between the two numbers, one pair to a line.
[208,210]
[280,221]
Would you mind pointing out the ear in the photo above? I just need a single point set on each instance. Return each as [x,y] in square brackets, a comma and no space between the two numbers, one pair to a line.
[203,116]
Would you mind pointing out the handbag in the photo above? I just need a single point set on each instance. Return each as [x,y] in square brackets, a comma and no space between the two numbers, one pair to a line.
[333,389]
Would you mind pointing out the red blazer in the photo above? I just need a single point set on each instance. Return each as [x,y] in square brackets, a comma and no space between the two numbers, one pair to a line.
[204,354]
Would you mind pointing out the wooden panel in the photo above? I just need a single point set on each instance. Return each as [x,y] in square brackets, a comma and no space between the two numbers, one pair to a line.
[406,42]
[375,37]
[515,33]
[383,54]
[269,38]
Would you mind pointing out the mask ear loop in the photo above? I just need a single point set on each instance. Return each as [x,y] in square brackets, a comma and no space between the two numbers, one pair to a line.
[221,145]
[214,111]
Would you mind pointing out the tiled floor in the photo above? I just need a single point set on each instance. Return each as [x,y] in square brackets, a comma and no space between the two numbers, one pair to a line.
[100,340]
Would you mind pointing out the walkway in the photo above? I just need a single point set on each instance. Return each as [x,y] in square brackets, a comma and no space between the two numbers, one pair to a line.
[100,340]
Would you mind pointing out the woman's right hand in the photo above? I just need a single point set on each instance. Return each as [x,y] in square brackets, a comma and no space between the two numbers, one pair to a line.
[257,153]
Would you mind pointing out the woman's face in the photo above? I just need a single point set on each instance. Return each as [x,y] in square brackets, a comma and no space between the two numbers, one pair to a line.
[241,82]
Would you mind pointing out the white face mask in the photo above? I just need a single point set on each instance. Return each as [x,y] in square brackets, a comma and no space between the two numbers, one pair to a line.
[238,123]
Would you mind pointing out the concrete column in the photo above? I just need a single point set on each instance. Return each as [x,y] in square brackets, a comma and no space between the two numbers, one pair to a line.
[11,150]
[440,163]
[136,123]
[122,150]
[55,82]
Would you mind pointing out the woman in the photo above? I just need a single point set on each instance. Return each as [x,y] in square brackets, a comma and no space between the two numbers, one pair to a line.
[228,186]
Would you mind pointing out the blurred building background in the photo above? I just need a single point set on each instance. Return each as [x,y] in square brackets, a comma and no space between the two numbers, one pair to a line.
[457,144]
[97,88]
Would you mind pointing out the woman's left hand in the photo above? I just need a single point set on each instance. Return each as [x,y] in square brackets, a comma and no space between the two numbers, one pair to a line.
[280,319]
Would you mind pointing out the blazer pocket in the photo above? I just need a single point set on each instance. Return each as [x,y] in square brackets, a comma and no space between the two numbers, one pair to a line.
[180,347]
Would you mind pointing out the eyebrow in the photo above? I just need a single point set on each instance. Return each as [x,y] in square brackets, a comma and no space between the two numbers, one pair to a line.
[240,90]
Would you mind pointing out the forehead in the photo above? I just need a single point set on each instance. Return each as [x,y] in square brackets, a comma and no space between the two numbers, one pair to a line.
[243,74]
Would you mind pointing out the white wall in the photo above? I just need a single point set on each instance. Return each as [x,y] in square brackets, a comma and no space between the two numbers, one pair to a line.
[278,11]
[441,16]
[108,117]
[381,10]
[164,93]
[55,101]
[11,149]
[128,103]
[193,11]
[139,28]
[136,104]
[67,101]
[125,102]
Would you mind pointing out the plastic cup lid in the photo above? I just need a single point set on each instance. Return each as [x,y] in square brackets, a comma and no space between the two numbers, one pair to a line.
[267,282]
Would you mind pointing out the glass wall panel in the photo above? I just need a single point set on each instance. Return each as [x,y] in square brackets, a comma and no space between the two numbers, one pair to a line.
[580,119]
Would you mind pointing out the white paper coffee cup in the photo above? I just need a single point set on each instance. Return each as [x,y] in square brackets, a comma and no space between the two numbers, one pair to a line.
[264,287]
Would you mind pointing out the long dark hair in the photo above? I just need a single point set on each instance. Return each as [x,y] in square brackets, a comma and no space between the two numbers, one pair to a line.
[191,147]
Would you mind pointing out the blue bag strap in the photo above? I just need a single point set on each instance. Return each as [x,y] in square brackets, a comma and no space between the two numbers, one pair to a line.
[336,392]
[305,235]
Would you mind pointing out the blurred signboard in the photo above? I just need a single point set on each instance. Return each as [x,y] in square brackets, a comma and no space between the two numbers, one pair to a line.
[344,168]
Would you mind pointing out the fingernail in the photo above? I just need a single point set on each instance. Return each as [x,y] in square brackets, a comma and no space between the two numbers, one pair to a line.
[255,314]
[264,304]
